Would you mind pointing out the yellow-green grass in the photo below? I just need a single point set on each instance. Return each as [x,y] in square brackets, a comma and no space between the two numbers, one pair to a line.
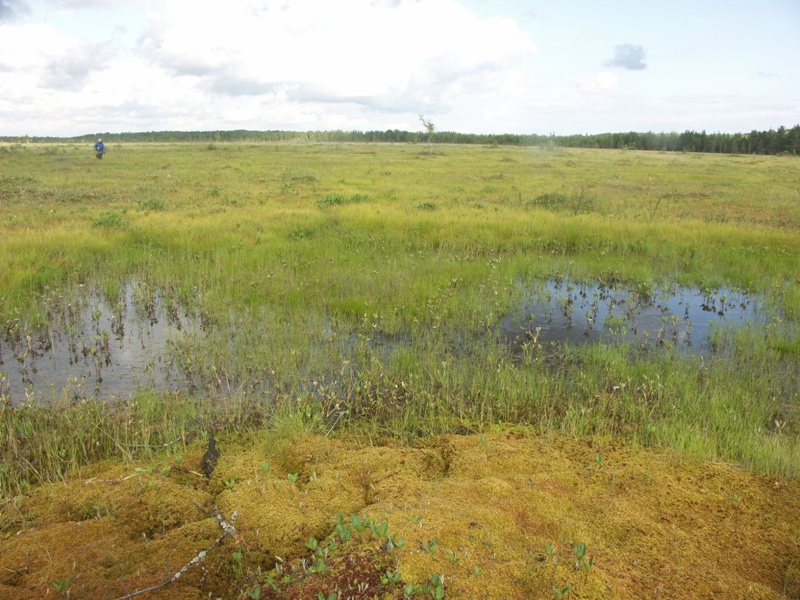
[371,278]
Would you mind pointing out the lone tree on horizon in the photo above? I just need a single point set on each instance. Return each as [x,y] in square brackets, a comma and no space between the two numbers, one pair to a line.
[429,128]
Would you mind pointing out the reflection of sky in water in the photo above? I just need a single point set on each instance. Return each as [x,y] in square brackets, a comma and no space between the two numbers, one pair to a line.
[577,314]
[135,356]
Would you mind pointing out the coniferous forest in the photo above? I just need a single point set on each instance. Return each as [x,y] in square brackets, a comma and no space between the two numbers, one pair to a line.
[774,141]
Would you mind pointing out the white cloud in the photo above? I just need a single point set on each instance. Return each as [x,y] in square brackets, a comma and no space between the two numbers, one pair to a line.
[603,83]
[265,64]
[383,55]
[72,66]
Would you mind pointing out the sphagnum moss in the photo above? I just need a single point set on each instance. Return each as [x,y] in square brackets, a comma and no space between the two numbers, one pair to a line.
[507,514]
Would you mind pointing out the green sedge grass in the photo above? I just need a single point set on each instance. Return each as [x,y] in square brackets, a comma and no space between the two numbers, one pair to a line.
[385,301]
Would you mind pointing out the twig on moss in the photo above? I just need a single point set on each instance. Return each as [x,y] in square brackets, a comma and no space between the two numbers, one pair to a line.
[228,527]
[109,481]
[185,470]
[228,530]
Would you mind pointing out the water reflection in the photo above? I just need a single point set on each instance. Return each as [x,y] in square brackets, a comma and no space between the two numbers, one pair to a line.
[112,350]
[682,318]
[97,349]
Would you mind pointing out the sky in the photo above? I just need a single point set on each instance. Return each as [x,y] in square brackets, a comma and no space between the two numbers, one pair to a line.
[74,67]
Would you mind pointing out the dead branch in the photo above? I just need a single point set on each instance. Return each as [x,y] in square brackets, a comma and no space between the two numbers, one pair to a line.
[109,481]
[185,470]
[228,530]
[228,527]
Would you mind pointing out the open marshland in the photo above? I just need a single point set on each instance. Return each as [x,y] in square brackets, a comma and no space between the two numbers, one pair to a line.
[391,296]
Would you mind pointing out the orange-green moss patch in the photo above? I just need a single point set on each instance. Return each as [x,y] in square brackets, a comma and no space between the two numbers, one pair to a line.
[500,515]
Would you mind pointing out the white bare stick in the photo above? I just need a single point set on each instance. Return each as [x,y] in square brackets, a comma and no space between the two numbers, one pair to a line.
[227,528]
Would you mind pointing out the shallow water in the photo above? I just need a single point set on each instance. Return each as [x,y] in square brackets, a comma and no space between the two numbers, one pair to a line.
[104,351]
[555,312]
[113,351]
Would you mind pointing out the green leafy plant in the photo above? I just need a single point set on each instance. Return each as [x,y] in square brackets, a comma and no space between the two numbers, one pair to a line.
[380,531]
[388,577]
[358,524]
[560,593]
[344,532]
[331,200]
[579,550]
[550,551]
[434,587]
[256,593]
[392,542]
[237,562]
[318,566]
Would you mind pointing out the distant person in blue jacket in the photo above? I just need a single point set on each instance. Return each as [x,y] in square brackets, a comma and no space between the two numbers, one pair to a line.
[99,149]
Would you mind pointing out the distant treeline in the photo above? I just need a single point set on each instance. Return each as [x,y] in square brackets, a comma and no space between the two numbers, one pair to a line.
[780,141]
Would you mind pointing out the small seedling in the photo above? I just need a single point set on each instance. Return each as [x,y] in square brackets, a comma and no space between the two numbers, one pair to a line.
[61,586]
[237,562]
[357,523]
[293,477]
[579,551]
[379,531]
[550,551]
[562,592]
[432,546]
[435,587]
[393,542]
[317,567]
[390,577]
[256,593]
[312,544]
[265,467]
[344,532]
